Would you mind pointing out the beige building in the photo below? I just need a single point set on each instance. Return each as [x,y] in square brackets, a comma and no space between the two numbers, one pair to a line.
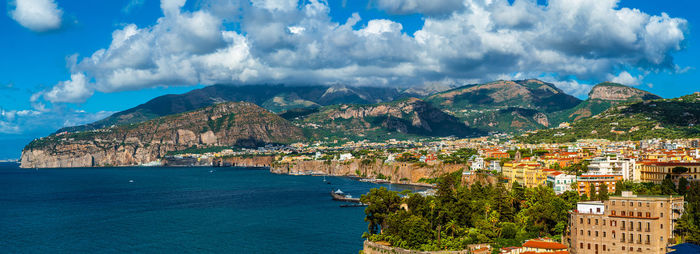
[626,223]
[656,171]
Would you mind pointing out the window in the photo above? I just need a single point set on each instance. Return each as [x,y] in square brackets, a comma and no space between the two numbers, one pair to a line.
[639,214]
[596,234]
[623,203]
[597,210]
[581,220]
[662,215]
[596,221]
[647,204]
[605,234]
[648,214]
[603,222]
[589,221]
[623,213]
[662,225]
[613,202]
[589,233]
[581,231]
[581,245]
[640,204]
[662,204]
[589,246]
[631,204]
[613,212]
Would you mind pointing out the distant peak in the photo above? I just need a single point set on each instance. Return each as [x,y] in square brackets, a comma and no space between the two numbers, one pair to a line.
[618,92]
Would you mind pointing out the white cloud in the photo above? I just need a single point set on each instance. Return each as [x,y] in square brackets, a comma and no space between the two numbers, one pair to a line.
[37,15]
[625,78]
[297,42]
[75,90]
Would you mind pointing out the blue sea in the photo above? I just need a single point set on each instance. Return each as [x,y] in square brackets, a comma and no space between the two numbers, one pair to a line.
[181,210]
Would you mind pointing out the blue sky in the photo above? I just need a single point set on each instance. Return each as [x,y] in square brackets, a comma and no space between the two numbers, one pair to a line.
[71,62]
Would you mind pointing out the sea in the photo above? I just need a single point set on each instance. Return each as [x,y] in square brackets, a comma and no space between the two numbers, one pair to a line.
[177,210]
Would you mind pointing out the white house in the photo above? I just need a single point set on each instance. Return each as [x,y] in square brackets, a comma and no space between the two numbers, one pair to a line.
[478,163]
[561,182]
[345,156]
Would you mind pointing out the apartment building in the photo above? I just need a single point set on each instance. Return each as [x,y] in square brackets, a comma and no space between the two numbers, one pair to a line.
[613,166]
[591,183]
[624,224]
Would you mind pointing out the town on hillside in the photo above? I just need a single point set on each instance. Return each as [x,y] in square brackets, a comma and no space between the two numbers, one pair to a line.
[615,196]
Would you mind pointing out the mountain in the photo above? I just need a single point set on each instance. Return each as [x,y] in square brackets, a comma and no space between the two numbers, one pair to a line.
[660,118]
[275,98]
[505,105]
[401,118]
[223,124]
[601,97]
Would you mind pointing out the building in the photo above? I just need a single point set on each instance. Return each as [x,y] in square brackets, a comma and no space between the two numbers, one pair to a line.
[560,182]
[543,245]
[627,223]
[613,166]
[656,171]
[495,166]
[588,184]
[477,164]
[521,171]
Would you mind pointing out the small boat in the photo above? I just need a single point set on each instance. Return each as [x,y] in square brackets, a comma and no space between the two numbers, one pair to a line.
[131,181]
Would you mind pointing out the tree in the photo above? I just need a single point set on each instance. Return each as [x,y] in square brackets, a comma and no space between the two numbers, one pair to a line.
[682,186]
[688,226]
[603,192]
[381,202]
[667,186]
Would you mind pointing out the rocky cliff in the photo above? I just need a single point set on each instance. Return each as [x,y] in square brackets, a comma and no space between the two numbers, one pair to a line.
[617,92]
[224,124]
[396,172]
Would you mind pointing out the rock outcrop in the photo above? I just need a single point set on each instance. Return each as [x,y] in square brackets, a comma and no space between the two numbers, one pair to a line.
[225,124]
[617,92]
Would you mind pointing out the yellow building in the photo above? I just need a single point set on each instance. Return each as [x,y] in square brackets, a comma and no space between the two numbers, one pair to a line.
[529,174]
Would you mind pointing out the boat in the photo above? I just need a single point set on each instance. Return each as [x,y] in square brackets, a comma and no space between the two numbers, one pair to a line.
[340,196]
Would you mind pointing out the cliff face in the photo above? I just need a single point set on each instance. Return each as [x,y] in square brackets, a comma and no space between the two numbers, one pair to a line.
[617,92]
[224,124]
[396,172]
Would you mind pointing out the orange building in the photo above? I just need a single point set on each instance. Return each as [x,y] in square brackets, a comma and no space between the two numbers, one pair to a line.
[592,183]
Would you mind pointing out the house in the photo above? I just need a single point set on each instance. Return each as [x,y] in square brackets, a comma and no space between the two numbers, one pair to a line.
[345,156]
[543,245]
[560,182]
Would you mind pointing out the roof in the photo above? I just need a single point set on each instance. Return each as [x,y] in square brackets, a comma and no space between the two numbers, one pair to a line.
[544,245]
[556,252]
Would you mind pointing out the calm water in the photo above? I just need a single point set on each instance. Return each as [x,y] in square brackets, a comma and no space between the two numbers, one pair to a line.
[165,210]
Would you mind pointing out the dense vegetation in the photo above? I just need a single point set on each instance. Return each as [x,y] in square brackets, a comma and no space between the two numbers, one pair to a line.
[459,215]
[665,118]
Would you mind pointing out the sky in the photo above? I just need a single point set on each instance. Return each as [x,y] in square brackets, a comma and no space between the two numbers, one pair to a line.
[65,63]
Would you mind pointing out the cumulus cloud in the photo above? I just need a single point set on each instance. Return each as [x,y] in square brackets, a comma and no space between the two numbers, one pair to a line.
[625,78]
[286,41]
[36,15]
[74,90]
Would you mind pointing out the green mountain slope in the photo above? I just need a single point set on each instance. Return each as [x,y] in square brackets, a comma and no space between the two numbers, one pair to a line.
[403,118]
[661,118]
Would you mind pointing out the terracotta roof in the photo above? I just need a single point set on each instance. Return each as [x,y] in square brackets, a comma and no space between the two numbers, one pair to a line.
[556,252]
[544,245]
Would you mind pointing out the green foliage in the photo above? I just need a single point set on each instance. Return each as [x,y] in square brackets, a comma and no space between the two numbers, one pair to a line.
[688,226]
[459,215]
[196,150]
